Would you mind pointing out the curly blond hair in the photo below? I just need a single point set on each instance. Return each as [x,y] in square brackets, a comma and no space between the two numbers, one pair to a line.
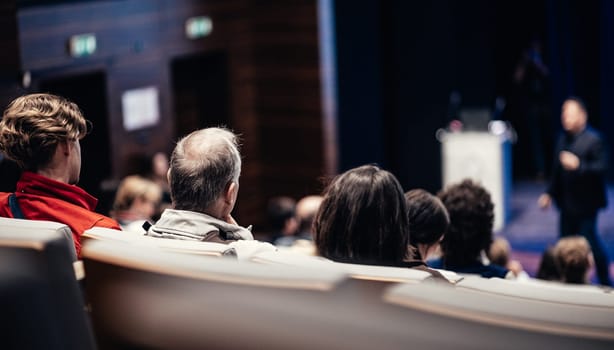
[33,125]
[133,187]
[574,258]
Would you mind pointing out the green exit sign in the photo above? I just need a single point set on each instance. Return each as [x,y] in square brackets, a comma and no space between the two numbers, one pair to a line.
[82,45]
[198,27]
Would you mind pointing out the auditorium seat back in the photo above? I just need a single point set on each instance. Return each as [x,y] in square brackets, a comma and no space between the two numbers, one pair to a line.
[146,296]
[521,313]
[356,271]
[162,300]
[11,229]
[42,305]
[581,295]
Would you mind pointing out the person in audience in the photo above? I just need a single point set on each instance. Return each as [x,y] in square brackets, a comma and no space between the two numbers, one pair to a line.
[499,254]
[548,270]
[428,222]
[159,168]
[282,221]
[136,201]
[574,259]
[157,174]
[204,180]
[41,133]
[470,232]
[154,168]
[363,219]
[306,210]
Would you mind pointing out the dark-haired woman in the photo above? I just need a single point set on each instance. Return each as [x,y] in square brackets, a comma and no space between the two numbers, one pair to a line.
[363,220]
[428,222]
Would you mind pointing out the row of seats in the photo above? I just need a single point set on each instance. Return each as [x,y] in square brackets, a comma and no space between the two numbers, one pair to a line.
[144,292]
[262,253]
[41,301]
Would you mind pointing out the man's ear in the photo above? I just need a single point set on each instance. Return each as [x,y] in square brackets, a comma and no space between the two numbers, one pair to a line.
[168,175]
[231,192]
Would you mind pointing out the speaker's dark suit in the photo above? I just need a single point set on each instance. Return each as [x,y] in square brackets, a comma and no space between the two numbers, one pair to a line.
[580,193]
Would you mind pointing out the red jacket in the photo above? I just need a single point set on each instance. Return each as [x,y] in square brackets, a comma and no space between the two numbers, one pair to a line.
[41,198]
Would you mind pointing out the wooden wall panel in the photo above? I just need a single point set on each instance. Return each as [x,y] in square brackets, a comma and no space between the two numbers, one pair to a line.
[10,72]
[9,60]
[271,53]
[288,96]
[130,145]
[122,29]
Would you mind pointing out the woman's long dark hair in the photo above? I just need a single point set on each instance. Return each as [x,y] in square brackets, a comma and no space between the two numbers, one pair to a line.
[428,217]
[363,219]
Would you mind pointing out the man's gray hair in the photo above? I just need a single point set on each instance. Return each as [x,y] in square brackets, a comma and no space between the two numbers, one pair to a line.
[202,165]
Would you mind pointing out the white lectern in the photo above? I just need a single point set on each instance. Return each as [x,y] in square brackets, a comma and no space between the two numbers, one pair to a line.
[483,157]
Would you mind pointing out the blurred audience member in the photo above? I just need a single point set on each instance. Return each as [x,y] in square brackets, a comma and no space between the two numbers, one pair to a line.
[470,232]
[41,133]
[499,254]
[547,267]
[159,170]
[428,222]
[282,220]
[363,219]
[136,201]
[574,259]
[155,168]
[204,181]
[304,215]
[306,210]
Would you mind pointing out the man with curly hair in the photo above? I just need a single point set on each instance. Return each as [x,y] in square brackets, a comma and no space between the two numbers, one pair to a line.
[41,133]
[470,232]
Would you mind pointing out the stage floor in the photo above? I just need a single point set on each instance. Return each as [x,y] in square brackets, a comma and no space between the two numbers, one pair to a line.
[530,230]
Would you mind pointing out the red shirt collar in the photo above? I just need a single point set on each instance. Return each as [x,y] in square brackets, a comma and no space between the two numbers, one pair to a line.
[32,183]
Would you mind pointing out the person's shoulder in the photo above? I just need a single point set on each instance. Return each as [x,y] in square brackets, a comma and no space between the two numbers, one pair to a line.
[135,226]
[77,216]
[435,263]
[4,203]
[285,241]
[105,221]
[592,134]
[88,219]
[478,268]
[493,270]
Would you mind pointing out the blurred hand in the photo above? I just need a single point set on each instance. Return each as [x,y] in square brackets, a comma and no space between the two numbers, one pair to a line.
[515,266]
[229,219]
[544,201]
[569,161]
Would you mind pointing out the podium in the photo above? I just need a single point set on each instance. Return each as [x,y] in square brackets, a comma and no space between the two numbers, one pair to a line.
[483,157]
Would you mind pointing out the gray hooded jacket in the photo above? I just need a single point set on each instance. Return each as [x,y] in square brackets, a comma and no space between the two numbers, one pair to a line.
[189,225]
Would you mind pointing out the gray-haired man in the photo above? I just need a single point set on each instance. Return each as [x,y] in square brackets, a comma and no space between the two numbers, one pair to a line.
[204,180]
